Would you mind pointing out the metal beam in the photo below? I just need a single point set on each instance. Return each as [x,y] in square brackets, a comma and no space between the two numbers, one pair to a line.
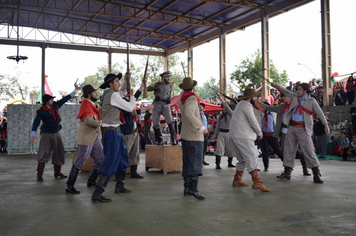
[265,55]
[239,24]
[80,47]
[326,53]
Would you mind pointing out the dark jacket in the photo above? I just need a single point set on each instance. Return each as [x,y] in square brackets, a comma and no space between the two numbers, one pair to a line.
[49,125]
[127,127]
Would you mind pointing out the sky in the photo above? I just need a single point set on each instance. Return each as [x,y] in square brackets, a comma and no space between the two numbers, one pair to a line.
[294,37]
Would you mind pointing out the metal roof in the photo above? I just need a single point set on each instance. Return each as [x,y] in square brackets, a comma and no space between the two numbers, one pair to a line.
[164,24]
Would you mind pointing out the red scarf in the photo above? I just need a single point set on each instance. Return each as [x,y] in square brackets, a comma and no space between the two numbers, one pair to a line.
[186,95]
[88,109]
[286,106]
[301,109]
[266,121]
[147,121]
[54,112]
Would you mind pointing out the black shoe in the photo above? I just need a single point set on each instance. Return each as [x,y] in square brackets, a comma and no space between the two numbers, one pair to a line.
[91,184]
[136,176]
[71,189]
[230,165]
[266,169]
[100,199]
[218,167]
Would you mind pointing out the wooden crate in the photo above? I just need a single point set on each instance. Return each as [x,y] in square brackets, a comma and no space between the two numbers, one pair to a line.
[166,158]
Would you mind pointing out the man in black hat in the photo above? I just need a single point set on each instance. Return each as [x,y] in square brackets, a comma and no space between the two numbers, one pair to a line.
[51,140]
[116,157]
[162,91]
[88,139]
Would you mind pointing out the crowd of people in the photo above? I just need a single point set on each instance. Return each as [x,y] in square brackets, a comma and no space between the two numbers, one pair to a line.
[290,123]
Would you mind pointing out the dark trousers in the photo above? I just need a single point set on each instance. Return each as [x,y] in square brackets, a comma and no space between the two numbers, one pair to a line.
[205,143]
[192,158]
[116,156]
[273,142]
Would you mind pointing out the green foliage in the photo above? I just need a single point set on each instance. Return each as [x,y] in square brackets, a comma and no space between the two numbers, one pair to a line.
[10,87]
[205,92]
[247,73]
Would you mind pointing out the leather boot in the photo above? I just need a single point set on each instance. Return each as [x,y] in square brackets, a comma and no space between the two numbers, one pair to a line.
[92,178]
[40,169]
[134,174]
[120,181]
[158,137]
[286,174]
[229,160]
[100,188]
[73,174]
[304,164]
[57,172]
[173,133]
[217,162]
[238,179]
[317,175]
[193,188]
[257,182]
[186,185]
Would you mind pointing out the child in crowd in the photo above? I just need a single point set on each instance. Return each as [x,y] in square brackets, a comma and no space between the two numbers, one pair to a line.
[344,146]
[352,151]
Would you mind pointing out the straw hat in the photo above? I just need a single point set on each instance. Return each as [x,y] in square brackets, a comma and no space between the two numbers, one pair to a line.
[249,93]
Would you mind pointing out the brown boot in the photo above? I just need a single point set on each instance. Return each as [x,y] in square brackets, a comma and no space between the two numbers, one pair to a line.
[304,164]
[257,182]
[57,172]
[317,175]
[286,174]
[238,179]
[40,169]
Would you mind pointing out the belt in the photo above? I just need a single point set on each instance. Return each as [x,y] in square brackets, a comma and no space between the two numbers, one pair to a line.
[267,134]
[108,128]
[152,132]
[224,130]
[284,126]
[299,124]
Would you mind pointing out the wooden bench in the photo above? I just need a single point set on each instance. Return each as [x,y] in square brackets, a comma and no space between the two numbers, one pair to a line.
[167,158]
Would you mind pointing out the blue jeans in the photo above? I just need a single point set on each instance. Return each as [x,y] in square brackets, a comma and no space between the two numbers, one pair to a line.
[192,158]
[116,156]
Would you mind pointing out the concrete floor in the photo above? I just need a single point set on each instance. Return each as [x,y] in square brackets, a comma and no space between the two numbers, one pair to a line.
[156,205]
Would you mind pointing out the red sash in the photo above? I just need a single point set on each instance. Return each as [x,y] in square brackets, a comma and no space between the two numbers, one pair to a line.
[88,109]
[301,109]
[266,121]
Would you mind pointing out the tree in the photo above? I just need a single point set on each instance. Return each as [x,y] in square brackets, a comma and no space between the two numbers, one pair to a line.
[205,92]
[10,87]
[247,73]
[34,94]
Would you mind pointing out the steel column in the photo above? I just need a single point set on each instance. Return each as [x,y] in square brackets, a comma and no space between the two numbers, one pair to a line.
[43,70]
[326,53]
[265,54]
[222,59]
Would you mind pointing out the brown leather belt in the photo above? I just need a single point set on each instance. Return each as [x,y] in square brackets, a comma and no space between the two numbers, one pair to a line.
[108,128]
[284,126]
[297,124]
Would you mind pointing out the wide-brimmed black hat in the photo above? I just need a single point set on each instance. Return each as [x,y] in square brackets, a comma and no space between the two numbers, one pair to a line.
[87,89]
[46,98]
[109,78]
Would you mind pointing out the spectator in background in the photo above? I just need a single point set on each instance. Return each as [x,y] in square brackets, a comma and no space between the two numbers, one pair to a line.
[350,89]
[352,151]
[4,136]
[340,97]
[344,146]
[290,87]
[320,136]
[353,116]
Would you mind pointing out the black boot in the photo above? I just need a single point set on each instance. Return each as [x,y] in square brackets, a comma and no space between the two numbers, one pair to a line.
[120,181]
[92,178]
[229,160]
[134,174]
[40,169]
[217,162]
[193,188]
[158,137]
[317,175]
[186,185]
[73,174]
[100,188]
[173,133]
